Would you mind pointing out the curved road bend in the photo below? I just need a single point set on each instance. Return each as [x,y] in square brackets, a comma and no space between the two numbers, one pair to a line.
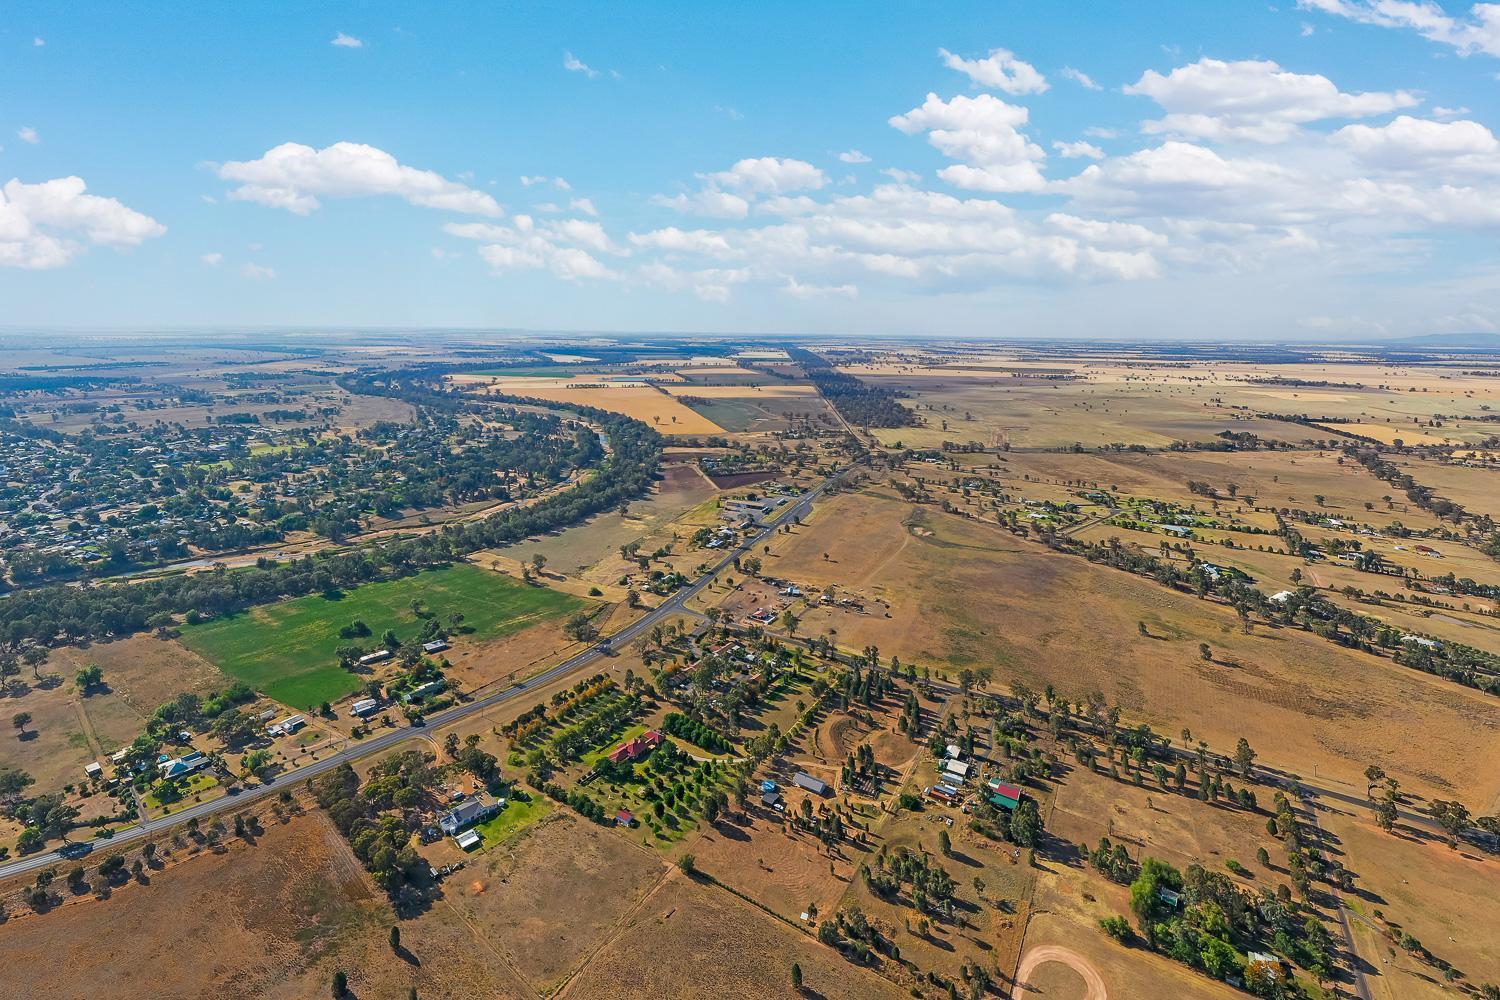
[391,737]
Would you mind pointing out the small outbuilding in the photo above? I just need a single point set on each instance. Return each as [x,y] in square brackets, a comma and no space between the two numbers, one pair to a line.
[804,780]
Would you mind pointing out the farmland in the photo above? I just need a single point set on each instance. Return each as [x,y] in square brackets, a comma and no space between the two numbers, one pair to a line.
[1059,584]
[288,650]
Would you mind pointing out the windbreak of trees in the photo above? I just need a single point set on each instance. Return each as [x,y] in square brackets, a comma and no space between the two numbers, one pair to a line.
[60,614]
[857,401]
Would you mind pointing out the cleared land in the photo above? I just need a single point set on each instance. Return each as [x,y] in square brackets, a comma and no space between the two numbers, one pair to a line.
[967,594]
[689,940]
[274,920]
[288,650]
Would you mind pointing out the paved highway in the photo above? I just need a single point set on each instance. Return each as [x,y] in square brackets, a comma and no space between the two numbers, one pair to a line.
[391,737]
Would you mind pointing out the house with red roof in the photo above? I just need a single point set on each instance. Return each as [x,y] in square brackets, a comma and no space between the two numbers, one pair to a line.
[1003,795]
[636,748]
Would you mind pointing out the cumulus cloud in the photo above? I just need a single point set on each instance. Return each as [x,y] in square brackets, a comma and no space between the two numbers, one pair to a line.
[38,41]
[853,156]
[672,239]
[48,224]
[984,133]
[1477,33]
[212,259]
[258,272]
[344,41]
[561,246]
[1081,78]
[28,134]
[1416,144]
[1078,150]
[708,202]
[1000,70]
[770,175]
[293,176]
[584,205]
[1253,100]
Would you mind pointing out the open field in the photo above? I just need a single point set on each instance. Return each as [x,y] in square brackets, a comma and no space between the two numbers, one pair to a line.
[1443,898]
[287,649]
[273,920]
[969,594]
[631,397]
[1167,825]
[551,897]
[577,550]
[1066,909]
[703,942]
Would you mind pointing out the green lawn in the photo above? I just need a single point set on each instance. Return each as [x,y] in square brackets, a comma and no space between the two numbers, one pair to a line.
[196,785]
[513,818]
[286,650]
[593,757]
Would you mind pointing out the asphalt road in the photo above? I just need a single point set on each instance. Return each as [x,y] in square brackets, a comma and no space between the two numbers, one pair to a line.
[391,737]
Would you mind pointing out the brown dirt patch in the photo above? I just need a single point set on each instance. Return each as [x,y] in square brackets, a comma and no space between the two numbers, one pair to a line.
[274,920]
[692,940]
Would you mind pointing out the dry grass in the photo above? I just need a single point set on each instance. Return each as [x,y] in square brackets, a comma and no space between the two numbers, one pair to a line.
[973,595]
[274,920]
[1446,899]
[695,941]
[553,896]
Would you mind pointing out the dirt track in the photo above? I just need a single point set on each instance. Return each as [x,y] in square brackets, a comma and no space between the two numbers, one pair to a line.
[1053,953]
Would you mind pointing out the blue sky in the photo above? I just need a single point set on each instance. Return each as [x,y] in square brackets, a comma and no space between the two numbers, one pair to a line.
[1016,167]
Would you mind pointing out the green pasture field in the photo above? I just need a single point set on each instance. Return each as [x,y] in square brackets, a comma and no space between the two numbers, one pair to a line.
[287,650]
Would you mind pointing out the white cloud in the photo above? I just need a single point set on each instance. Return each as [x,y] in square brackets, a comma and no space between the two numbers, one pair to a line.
[293,176]
[1078,150]
[1449,113]
[344,41]
[571,264]
[584,205]
[1106,234]
[257,272]
[730,113]
[797,289]
[1416,144]
[770,175]
[1253,100]
[1081,78]
[1479,32]
[573,64]
[708,202]
[46,225]
[1100,132]
[982,132]
[212,259]
[672,239]
[853,156]
[38,41]
[28,134]
[1307,30]
[1000,70]
[902,176]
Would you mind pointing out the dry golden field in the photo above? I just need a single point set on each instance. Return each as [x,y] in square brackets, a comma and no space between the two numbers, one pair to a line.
[969,594]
